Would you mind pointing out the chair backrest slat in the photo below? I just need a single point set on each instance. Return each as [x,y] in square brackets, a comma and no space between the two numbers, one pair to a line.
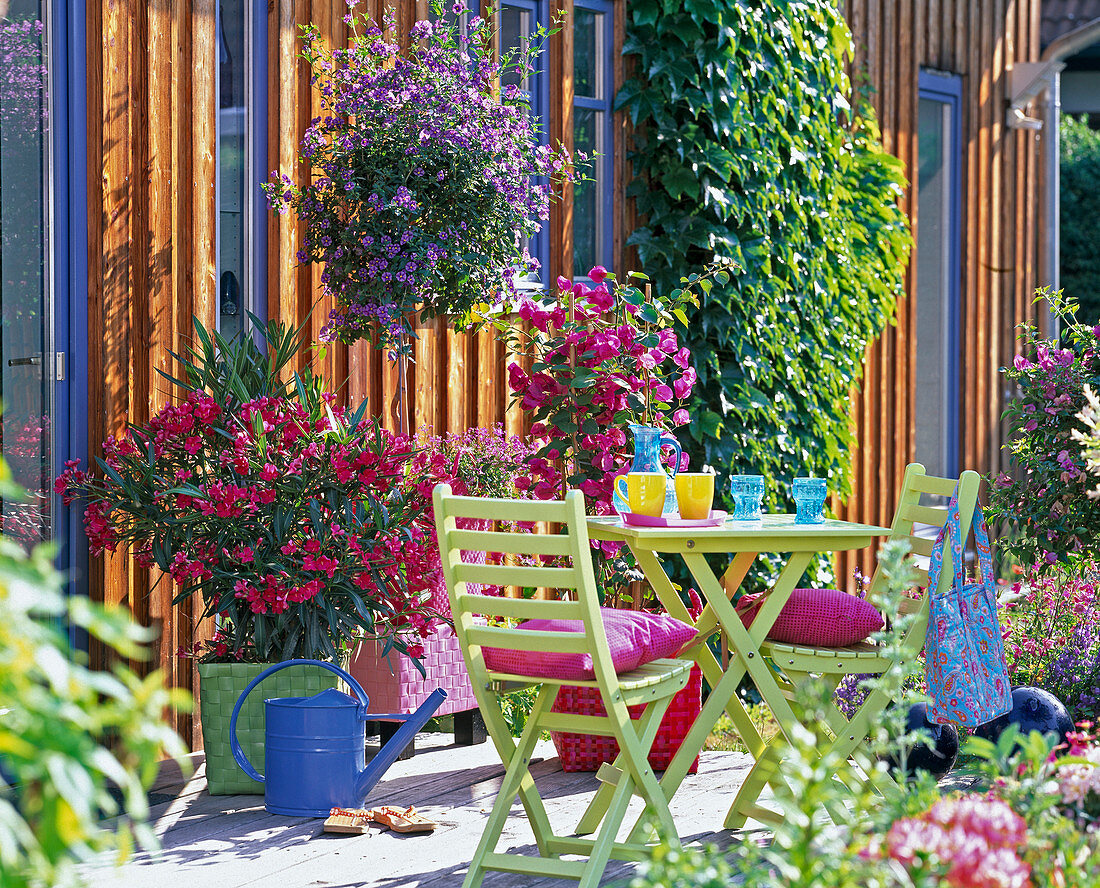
[923,514]
[933,485]
[511,543]
[493,509]
[505,637]
[922,545]
[527,608]
[572,547]
[517,575]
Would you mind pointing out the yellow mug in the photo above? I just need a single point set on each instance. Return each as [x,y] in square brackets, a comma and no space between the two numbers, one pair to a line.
[695,494]
[644,492]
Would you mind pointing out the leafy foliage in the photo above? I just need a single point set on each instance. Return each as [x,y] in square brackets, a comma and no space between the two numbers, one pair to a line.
[1080,208]
[427,175]
[747,151]
[1034,826]
[1051,620]
[288,515]
[1045,497]
[68,733]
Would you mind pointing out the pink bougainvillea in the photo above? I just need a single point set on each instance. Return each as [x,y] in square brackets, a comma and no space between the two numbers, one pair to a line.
[602,356]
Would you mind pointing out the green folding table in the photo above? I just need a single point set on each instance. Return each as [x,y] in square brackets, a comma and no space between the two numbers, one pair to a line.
[742,541]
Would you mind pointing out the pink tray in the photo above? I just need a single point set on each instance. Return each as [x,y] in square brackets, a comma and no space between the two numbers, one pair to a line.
[632,518]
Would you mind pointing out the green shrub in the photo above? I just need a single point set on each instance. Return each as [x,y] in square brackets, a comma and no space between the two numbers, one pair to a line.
[68,733]
[747,151]
[1080,235]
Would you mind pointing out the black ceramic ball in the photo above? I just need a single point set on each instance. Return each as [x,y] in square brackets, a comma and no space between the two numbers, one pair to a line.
[937,759]
[1033,709]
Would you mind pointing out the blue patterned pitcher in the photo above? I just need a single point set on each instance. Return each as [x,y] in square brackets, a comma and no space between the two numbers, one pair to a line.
[648,441]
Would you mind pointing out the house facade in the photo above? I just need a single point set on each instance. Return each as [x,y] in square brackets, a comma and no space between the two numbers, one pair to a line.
[130,201]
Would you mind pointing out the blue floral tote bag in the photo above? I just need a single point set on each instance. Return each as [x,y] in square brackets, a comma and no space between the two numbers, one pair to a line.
[964,659]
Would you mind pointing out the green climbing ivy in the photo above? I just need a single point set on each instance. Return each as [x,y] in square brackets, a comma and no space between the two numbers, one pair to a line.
[747,149]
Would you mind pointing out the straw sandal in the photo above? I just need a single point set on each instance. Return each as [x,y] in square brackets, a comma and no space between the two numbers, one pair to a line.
[402,820]
[350,821]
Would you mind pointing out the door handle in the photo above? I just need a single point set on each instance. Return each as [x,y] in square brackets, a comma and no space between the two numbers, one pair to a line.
[30,360]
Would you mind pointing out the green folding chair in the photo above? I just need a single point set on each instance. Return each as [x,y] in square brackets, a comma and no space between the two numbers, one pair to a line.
[652,684]
[797,663]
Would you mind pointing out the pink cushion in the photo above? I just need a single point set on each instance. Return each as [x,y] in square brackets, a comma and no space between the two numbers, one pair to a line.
[633,636]
[818,617]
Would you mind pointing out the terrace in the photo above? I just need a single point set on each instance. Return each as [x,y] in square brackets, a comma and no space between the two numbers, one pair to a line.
[541,367]
[231,842]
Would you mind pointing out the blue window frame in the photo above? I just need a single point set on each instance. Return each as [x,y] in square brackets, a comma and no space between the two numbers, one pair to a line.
[242,162]
[938,309]
[65,307]
[519,19]
[594,92]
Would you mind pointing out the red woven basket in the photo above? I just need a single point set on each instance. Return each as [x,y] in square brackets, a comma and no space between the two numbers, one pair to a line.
[586,752]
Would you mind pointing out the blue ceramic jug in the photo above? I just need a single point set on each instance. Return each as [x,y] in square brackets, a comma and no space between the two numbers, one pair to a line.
[315,747]
[648,441]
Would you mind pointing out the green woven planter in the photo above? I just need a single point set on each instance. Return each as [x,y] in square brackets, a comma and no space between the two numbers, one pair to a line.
[220,684]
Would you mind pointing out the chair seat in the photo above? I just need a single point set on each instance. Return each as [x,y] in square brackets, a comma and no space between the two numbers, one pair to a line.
[864,656]
[650,681]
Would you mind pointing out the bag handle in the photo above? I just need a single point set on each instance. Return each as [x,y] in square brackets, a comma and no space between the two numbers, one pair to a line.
[935,562]
[953,526]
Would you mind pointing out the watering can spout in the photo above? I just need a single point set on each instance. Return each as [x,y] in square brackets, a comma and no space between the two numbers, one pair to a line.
[393,748]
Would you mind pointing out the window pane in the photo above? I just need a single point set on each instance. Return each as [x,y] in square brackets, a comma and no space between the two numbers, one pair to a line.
[26,320]
[587,127]
[586,52]
[934,399]
[233,279]
[515,28]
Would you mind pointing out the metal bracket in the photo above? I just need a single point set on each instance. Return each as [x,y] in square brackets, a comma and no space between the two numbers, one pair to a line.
[1027,79]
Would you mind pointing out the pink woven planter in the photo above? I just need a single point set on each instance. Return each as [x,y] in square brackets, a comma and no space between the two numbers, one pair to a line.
[396,685]
[586,752]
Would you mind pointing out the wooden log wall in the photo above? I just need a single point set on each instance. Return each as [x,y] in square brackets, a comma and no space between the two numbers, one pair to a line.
[152,106]
[151,262]
[978,40]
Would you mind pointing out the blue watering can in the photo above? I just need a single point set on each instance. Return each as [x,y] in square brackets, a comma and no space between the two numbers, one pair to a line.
[315,746]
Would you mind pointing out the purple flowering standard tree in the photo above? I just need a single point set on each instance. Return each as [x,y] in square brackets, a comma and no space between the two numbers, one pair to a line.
[427,177]
[1044,498]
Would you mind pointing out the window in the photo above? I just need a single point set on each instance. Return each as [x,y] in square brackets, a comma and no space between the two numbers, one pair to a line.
[939,273]
[594,89]
[242,29]
[519,19]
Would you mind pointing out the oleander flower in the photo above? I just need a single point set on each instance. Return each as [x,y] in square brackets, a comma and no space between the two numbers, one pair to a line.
[288,515]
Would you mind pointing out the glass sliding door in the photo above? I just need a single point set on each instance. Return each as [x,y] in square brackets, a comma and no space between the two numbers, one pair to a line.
[28,363]
[939,274]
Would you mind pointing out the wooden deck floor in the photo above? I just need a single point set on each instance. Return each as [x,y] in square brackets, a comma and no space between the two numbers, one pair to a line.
[230,841]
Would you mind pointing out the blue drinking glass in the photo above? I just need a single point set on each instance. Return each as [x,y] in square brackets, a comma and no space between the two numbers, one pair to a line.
[748,494]
[809,500]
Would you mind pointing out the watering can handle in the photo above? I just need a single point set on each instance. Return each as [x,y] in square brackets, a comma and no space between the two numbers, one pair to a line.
[234,744]
[671,441]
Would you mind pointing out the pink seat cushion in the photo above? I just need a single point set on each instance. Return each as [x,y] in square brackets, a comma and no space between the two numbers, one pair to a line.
[818,618]
[633,636]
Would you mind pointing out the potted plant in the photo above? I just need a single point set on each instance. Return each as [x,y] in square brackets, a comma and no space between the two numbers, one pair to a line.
[282,512]
[428,177]
[478,462]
